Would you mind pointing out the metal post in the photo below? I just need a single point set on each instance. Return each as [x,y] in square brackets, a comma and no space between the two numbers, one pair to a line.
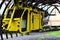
[1,36]
[11,35]
[1,29]
[16,35]
[6,35]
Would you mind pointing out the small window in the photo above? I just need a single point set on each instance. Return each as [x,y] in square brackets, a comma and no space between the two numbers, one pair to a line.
[9,13]
[18,13]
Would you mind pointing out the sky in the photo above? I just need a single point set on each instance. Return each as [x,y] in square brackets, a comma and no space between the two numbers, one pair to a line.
[3,7]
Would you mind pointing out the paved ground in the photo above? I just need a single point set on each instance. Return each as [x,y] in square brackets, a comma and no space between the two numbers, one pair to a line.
[34,36]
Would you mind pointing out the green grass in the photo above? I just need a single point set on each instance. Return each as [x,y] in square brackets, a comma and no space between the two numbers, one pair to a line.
[57,33]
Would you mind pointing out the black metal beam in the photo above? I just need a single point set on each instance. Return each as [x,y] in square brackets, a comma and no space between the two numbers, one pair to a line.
[57,9]
[2,3]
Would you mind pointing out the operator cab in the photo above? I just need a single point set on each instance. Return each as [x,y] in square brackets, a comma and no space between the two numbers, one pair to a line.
[16,15]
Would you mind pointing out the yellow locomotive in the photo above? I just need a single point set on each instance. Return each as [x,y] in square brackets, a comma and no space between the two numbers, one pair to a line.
[22,18]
